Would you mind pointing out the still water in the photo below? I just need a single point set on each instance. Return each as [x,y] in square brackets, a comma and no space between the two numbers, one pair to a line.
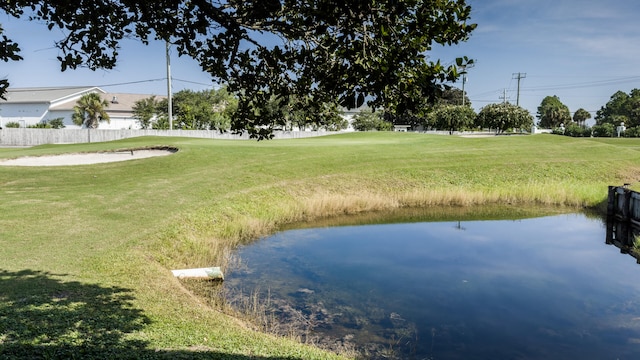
[539,288]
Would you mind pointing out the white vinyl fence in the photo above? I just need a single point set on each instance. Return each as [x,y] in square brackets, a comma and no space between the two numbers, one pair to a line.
[33,137]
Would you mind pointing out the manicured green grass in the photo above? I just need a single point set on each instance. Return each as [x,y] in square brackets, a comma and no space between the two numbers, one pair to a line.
[86,250]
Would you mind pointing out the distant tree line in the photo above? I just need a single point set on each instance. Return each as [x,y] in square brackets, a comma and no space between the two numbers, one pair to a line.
[214,110]
[449,114]
[620,116]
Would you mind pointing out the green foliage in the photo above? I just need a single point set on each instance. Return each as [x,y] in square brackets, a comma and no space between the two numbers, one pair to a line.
[453,96]
[581,116]
[12,124]
[621,108]
[57,123]
[9,51]
[331,118]
[603,130]
[201,110]
[145,111]
[451,117]
[290,113]
[633,132]
[303,113]
[90,110]
[348,51]
[384,126]
[586,131]
[575,130]
[504,117]
[552,113]
[368,120]
[40,125]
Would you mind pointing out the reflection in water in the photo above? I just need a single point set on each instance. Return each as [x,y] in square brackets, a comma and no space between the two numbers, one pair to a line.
[541,288]
[623,235]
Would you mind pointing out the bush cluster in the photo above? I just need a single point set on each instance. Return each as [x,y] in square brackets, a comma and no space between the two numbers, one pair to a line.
[575,130]
[602,130]
[633,132]
[57,123]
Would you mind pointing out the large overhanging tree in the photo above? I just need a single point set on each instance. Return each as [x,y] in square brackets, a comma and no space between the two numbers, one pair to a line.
[345,51]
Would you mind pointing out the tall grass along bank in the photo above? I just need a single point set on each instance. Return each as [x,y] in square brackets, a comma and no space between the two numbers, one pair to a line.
[86,250]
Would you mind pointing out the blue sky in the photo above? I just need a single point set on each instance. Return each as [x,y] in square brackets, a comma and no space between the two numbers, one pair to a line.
[580,50]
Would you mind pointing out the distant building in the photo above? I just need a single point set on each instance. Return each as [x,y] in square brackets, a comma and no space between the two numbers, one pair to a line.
[30,106]
[349,115]
[401,128]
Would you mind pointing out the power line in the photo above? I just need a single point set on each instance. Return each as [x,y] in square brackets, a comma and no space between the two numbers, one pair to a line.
[132,82]
[193,82]
[584,84]
[48,88]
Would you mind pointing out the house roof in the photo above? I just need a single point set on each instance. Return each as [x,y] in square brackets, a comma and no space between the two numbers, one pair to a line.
[46,94]
[66,98]
[118,102]
[125,102]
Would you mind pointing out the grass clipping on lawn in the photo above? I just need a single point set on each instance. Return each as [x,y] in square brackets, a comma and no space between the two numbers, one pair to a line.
[120,227]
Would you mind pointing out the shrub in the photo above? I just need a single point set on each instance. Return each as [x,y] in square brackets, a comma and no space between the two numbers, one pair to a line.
[12,124]
[604,130]
[369,120]
[40,125]
[576,130]
[573,130]
[632,132]
[57,123]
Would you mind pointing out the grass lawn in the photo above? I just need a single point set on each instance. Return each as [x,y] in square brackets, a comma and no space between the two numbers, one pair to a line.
[86,250]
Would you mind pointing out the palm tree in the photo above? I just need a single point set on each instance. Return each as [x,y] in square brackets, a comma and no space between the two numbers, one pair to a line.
[90,110]
[581,115]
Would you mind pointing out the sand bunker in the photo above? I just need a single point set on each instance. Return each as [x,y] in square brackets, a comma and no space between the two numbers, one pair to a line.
[87,158]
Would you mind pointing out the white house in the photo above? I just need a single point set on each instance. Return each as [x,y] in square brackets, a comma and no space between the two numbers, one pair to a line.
[30,106]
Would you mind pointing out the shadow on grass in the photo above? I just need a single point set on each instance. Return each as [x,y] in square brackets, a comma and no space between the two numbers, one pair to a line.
[44,317]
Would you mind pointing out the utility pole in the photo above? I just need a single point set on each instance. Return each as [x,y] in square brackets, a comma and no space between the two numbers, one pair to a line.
[169,110]
[504,96]
[464,80]
[519,76]
[464,68]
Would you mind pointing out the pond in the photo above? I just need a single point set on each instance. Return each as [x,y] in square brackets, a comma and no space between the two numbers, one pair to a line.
[536,288]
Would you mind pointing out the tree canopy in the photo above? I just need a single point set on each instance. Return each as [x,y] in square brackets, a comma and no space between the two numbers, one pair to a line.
[580,116]
[203,110]
[622,107]
[503,117]
[451,117]
[145,111]
[552,112]
[453,96]
[368,120]
[347,51]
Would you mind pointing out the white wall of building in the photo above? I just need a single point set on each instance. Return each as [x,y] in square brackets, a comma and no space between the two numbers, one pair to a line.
[24,114]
